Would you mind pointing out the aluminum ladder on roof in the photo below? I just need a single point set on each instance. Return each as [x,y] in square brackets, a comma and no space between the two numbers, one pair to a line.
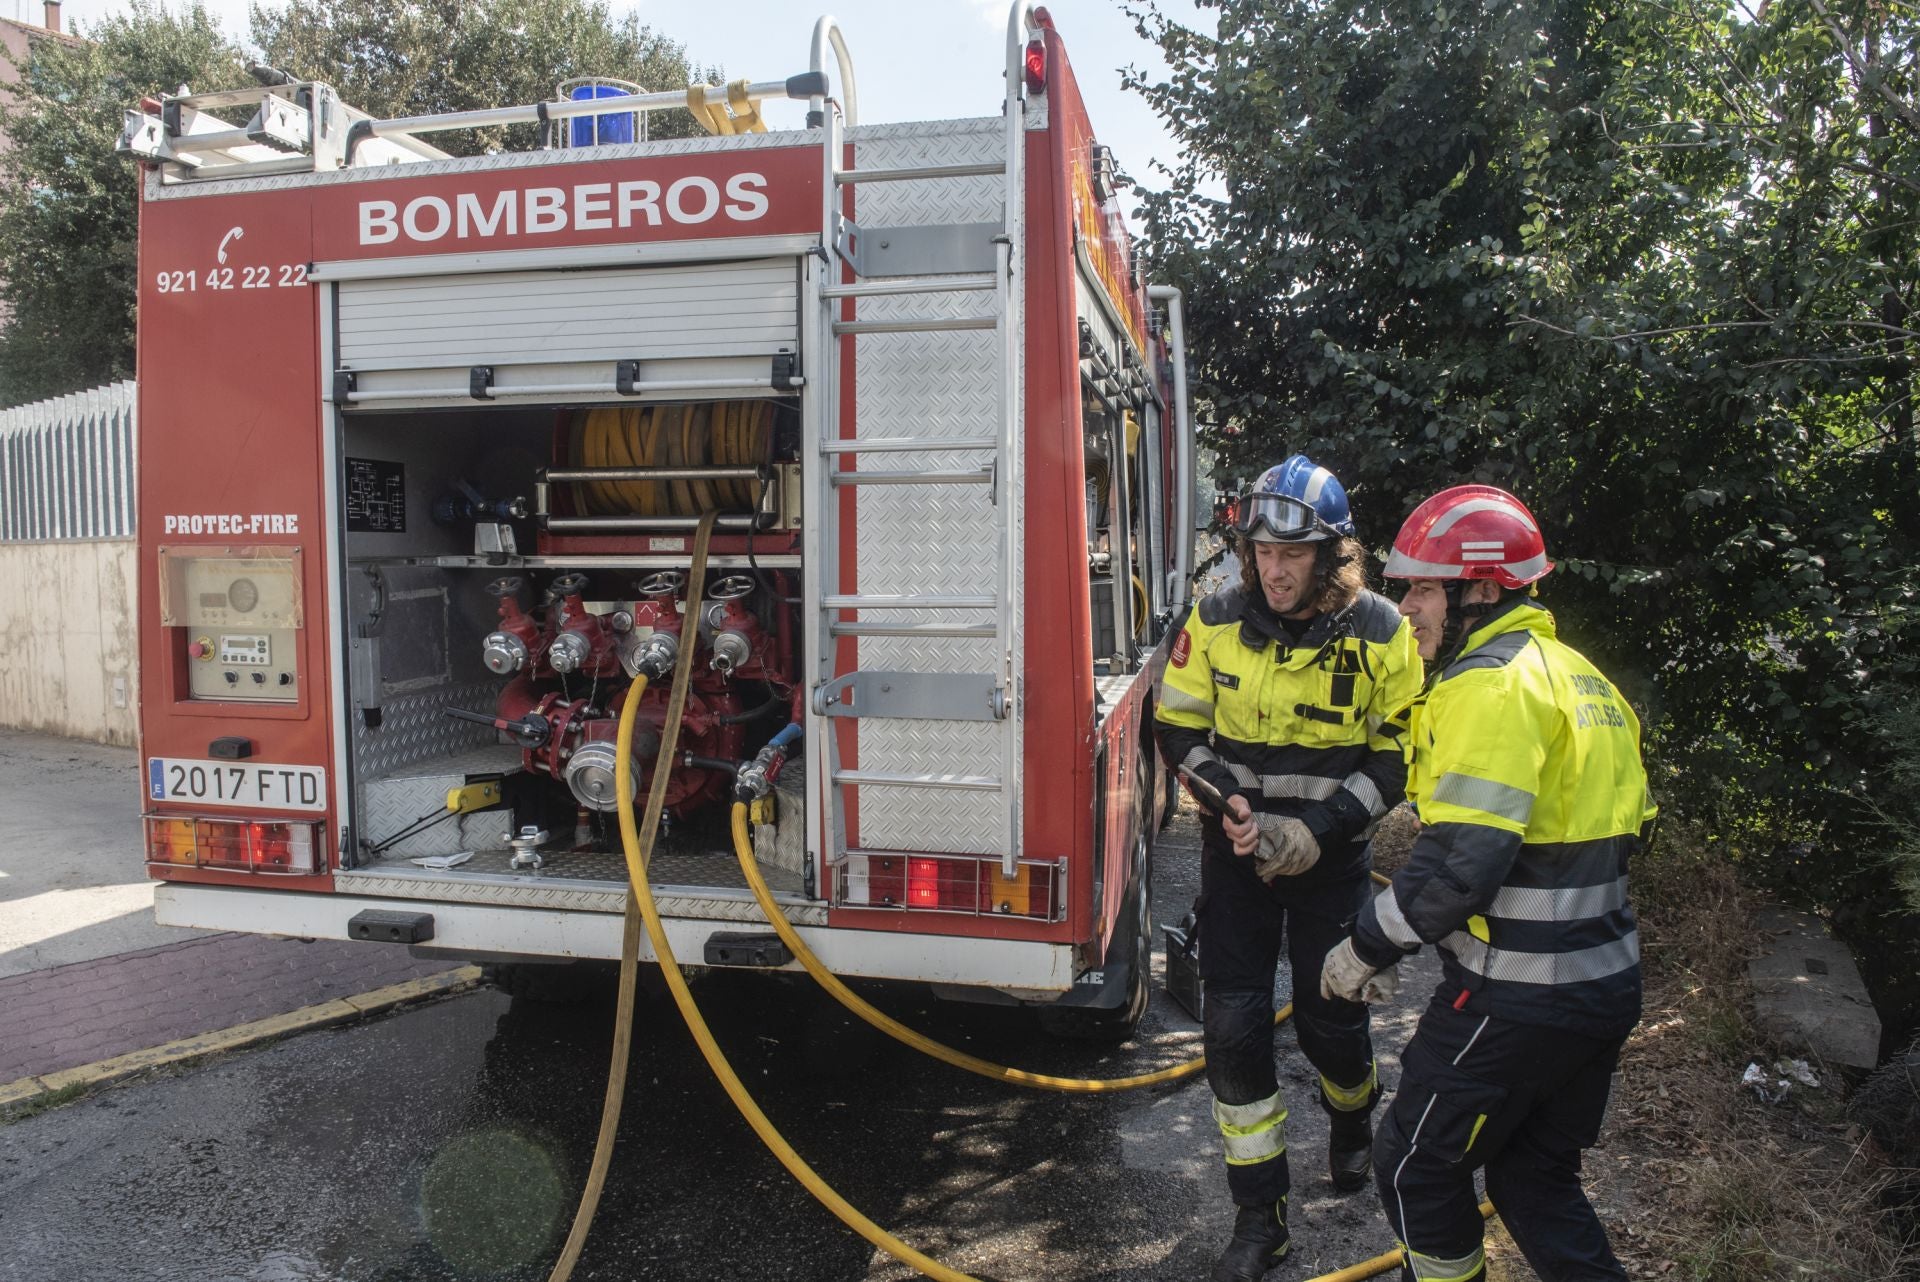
[925,586]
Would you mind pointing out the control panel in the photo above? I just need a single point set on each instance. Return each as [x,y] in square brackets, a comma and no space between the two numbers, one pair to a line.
[238,616]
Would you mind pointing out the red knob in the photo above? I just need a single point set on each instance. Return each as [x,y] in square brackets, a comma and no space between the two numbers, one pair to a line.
[199,650]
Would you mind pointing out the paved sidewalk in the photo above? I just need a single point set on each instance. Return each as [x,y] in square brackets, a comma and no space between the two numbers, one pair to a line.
[93,1010]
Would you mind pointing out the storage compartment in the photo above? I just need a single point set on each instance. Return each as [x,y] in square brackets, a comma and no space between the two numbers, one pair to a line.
[490,656]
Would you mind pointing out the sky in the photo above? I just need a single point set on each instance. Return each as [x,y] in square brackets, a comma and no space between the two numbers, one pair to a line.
[913,60]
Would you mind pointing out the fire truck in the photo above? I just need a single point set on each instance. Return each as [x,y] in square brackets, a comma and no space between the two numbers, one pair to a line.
[425,440]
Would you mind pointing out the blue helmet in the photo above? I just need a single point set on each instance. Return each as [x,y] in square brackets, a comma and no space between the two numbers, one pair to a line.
[1297,502]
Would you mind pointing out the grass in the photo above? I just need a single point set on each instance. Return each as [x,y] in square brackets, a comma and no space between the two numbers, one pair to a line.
[44,1103]
[1699,1181]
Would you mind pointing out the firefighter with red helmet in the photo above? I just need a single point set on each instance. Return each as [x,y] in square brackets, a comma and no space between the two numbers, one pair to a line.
[1525,768]
[1276,697]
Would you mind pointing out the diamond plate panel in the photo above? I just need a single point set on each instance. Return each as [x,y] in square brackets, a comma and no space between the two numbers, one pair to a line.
[591,881]
[930,539]
[388,805]
[414,728]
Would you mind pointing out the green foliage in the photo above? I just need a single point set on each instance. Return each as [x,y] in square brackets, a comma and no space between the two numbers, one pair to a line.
[428,56]
[1650,267]
[67,202]
[67,216]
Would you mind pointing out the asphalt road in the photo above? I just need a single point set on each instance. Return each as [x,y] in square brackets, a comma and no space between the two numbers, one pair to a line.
[73,881]
[449,1142]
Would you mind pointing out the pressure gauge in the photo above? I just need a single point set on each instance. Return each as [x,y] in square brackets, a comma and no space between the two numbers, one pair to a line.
[242,595]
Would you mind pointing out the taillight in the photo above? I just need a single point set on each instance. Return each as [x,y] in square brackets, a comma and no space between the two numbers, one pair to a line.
[235,845]
[949,883]
[1036,66]
[170,841]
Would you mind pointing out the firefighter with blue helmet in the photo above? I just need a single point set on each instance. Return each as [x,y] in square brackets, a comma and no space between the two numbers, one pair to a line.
[1525,769]
[1276,696]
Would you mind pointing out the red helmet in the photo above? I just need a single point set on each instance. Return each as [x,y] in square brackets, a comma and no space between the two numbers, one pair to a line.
[1470,532]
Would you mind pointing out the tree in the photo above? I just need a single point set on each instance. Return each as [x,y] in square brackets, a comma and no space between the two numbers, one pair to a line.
[67,224]
[1650,266]
[428,56]
[67,216]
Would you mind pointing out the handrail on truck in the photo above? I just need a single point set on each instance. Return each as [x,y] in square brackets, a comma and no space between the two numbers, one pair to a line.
[827,31]
[1181,589]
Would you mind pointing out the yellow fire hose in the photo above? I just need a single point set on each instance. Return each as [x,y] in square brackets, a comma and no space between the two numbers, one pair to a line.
[636,843]
[743,851]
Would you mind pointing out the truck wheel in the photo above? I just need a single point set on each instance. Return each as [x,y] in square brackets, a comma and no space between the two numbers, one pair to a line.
[1117,1024]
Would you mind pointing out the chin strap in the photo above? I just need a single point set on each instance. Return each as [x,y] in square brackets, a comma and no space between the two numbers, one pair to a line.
[1461,616]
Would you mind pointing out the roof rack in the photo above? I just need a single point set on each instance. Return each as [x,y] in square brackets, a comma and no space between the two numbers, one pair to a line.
[302,126]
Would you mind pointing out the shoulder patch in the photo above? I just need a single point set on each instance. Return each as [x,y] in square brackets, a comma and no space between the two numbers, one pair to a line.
[1497,653]
[1375,618]
[1182,649]
[1222,608]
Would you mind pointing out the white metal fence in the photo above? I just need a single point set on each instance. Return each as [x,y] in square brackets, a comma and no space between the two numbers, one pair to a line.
[66,467]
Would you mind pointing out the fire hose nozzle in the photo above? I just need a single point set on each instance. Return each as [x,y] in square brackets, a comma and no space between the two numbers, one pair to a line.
[651,656]
[755,779]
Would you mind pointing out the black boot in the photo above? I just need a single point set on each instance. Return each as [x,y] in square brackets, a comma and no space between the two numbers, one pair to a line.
[1259,1243]
[1350,1150]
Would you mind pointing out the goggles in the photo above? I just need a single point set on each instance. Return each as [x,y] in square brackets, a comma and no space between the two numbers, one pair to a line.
[1280,518]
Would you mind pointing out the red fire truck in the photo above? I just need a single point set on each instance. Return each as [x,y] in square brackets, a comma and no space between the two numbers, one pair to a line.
[425,441]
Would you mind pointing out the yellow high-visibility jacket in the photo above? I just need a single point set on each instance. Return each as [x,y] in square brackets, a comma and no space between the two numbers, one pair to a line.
[1298,726]
[1525,768]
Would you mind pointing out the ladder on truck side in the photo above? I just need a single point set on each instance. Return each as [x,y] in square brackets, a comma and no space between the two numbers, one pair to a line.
[932,604]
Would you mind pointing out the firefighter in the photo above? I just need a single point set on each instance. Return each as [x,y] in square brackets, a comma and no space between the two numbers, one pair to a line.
[1275,697]
[1525,769]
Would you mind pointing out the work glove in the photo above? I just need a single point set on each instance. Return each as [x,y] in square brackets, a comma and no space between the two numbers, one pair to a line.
[1345,976]
[1287,847]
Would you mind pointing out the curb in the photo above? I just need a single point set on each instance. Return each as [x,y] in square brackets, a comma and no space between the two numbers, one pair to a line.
[341,1010]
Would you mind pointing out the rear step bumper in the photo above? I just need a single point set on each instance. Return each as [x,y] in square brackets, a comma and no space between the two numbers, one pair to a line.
[479,929]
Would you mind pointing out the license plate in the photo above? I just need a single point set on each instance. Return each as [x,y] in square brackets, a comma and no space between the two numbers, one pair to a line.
[253,785]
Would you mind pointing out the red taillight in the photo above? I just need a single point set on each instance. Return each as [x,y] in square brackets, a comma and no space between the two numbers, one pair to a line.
[949,883]
[923,883]
[235,845]
[1036,66]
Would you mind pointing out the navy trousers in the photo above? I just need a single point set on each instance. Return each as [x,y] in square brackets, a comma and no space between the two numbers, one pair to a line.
[1243,924]
[1523,1102]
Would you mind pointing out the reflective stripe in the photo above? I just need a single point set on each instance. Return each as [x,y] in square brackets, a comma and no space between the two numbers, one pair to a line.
[1402,566]
[1574,904]
[1201,756]
[1577,967]
[1497,652]
[1471,792]
[1296,787]
[1503,505]
[1432,1268]
[1350,1099]
[1393,923]
[1246,1117]
[1174,699]
[1369,794]
[1252,1133]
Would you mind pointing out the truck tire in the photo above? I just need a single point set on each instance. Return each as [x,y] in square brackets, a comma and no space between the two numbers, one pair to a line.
[1115,1024]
